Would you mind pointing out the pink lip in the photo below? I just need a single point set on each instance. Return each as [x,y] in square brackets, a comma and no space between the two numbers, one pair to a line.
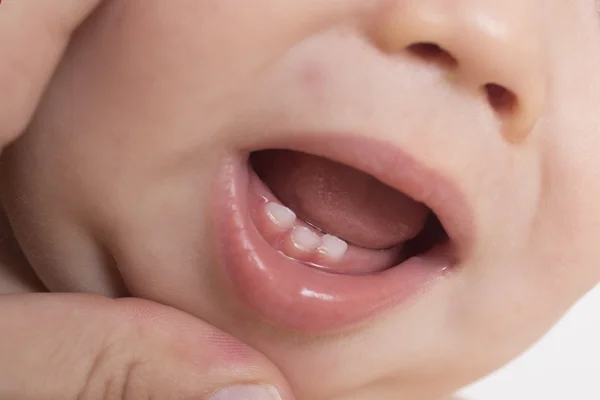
[295,296]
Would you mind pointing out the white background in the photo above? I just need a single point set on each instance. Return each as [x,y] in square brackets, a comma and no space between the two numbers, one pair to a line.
[565,365]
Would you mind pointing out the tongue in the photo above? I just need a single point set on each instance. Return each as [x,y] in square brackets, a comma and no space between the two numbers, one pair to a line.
[340,200]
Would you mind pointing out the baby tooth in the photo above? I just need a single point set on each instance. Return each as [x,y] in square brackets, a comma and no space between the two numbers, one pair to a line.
[280,215]
[305,239]
[333,247]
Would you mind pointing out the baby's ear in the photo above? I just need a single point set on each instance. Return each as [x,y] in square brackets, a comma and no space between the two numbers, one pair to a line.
[39,32]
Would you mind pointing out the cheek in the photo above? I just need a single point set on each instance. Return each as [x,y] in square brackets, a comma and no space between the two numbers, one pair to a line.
[568,218]
[568,221]
[118,137]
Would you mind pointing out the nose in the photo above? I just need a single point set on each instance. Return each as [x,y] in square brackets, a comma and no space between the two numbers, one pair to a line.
[493,47]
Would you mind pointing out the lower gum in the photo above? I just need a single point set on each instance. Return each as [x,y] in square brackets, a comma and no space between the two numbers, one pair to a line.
[356,261]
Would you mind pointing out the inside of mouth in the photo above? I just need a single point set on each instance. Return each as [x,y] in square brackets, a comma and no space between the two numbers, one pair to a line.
[331,216]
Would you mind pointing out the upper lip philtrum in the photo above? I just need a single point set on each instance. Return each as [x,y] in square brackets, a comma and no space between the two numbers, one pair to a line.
[293,295]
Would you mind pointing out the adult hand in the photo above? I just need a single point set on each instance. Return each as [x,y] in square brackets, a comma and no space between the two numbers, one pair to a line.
[76,346]
[59,346]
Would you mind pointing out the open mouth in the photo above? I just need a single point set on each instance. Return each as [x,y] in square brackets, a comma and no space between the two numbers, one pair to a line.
[320,239]
[331,216]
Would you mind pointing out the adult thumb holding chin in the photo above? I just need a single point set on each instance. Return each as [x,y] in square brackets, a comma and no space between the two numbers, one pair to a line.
[74,346]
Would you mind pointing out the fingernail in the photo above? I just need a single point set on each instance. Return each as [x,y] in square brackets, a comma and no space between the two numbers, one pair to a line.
[250,392]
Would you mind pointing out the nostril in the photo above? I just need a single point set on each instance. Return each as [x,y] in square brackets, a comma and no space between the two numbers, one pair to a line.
[433,53]
[502,100]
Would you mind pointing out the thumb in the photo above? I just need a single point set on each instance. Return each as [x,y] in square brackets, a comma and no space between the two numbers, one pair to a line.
[55,346]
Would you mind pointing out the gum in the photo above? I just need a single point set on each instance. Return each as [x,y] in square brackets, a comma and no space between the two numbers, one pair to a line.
[356,261]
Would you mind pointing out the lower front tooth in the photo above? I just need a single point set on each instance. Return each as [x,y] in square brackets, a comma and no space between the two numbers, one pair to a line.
[281,216]
[333,247]
[305,239]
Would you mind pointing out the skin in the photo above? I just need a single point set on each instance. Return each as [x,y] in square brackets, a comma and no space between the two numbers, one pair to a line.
[114,173]
[67,346]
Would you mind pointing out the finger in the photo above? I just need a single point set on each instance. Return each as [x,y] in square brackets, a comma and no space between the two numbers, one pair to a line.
[33,36]
[65,347]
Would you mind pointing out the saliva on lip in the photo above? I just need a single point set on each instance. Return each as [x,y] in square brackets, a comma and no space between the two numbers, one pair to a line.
[299,241]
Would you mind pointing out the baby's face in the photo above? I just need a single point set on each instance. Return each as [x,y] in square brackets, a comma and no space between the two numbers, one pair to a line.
[145,172]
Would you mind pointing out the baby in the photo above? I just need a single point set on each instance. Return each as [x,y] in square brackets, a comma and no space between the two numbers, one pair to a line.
[388,198]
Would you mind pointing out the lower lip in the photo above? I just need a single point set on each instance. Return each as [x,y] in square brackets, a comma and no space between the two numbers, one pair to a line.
[293,295]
